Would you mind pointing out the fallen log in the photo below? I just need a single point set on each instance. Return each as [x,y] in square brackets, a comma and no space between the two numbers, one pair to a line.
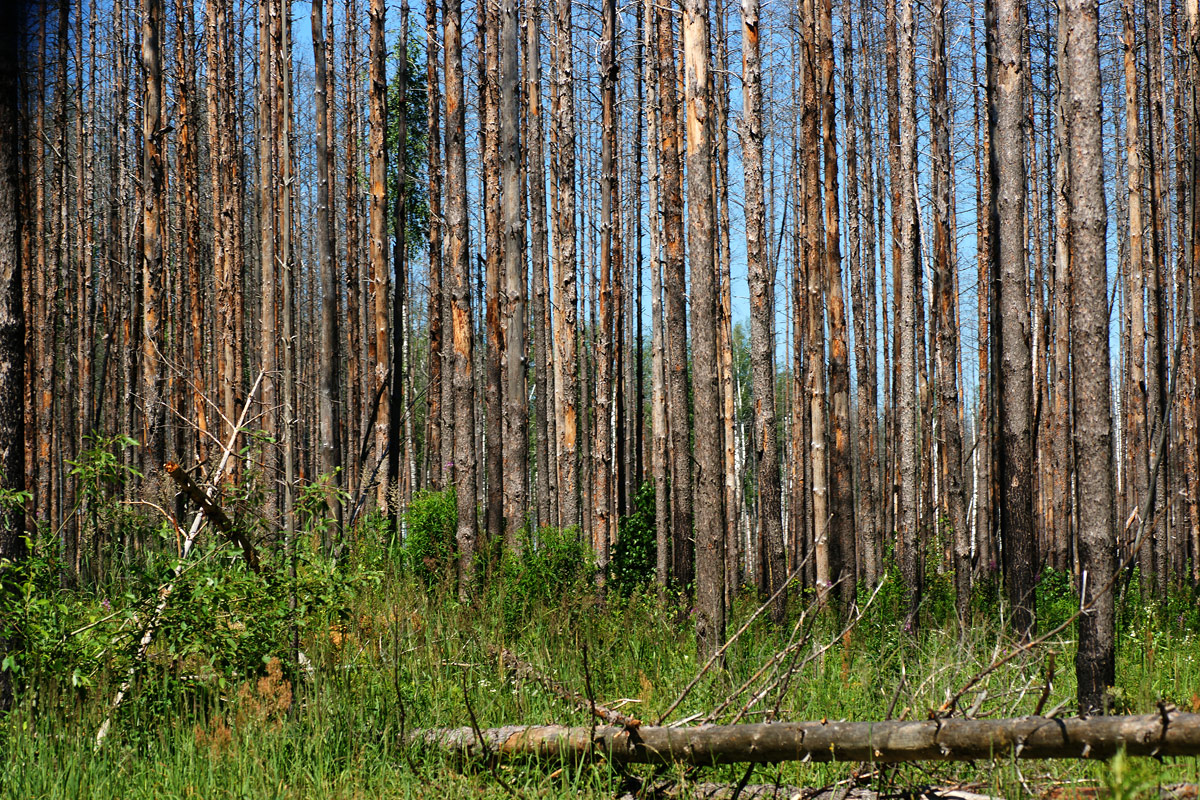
[769,791]
[1169,733]
[527,672]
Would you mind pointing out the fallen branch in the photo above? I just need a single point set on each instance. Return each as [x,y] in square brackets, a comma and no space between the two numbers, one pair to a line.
[1169,733]
[770,791]
[166,590]
[527,672]
[215,514]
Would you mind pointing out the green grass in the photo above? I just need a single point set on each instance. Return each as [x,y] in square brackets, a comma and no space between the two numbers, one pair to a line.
[393,654]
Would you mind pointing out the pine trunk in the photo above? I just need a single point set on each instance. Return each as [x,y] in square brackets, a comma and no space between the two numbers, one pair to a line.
[1094,661]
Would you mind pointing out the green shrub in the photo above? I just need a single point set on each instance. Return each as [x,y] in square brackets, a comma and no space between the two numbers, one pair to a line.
[552,567]
[634,556]
[1057,598]
[429,544]
[549,565]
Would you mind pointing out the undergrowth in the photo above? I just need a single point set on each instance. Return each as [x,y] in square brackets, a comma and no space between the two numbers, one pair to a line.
[225,707]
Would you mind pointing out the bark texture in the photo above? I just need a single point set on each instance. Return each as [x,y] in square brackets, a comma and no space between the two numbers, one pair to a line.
[1095,659]
[1167,734]
[710,508]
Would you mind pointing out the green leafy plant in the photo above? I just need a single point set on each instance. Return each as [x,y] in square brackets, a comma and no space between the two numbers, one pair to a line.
[429,547]
[634,556]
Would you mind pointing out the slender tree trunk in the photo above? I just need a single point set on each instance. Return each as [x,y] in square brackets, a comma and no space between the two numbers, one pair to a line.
[1192,255]
[812,246]
[841,484]
[1094,661]
[488,32]
[947,344]
[399,450]
[516,445]
[458,229]
[761,275]
[911,568]
[268,103]
[1062,333]
[1006,124]
[189,168]
[638,365]
[327,392]
[288,351]
[1135,430]
[658,375]
[1155,572]
[536,168]
[862,287]
[153,206]
[719,86]
[565,267]
[377,252]
[710,511]
[675,319]
[355,398]
[603,517]
[438,432]
[13,548]
[985,416]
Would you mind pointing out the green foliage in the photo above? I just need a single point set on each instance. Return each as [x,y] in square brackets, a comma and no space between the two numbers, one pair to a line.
[552,567]
[549,565]
[633,558]
[313,503]
[1128,779]
[99,468]
[429,543]
[415,149]
[389,656]
[1057,598]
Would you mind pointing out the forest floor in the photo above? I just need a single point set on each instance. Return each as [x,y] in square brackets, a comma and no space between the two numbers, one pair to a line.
[386,653]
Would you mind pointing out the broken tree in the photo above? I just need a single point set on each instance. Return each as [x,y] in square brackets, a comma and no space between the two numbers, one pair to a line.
[1168,733]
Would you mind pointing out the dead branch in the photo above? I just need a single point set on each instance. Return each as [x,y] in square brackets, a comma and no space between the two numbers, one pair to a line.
[527,672]
[1168,733]
[215,514]
[164,593]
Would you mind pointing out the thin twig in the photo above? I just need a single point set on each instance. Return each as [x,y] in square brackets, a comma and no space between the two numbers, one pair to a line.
[721,651]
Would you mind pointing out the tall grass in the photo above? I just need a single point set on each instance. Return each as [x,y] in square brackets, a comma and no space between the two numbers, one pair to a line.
[399,651]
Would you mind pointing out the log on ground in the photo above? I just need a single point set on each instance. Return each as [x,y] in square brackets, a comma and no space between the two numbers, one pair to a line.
[1168,733]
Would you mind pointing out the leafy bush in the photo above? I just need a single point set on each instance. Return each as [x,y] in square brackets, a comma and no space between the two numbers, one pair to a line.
[1057,598]
[550,568]
[429,545]
[548,565]
[634,556]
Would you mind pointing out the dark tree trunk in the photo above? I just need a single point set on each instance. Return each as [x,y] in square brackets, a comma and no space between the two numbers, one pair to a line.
[153,266]
[761,275]
[542,340]
[12,340]
[458,230]
[1010,286]
[327,392]
[516,419]
[1094,661]
[947,302]
[911,568]
[674,281]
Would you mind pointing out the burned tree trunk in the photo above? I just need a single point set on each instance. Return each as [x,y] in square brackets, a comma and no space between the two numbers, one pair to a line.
[710,510]
[1094,661]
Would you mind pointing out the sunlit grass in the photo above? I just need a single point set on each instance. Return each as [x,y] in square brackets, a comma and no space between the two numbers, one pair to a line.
[406,657]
